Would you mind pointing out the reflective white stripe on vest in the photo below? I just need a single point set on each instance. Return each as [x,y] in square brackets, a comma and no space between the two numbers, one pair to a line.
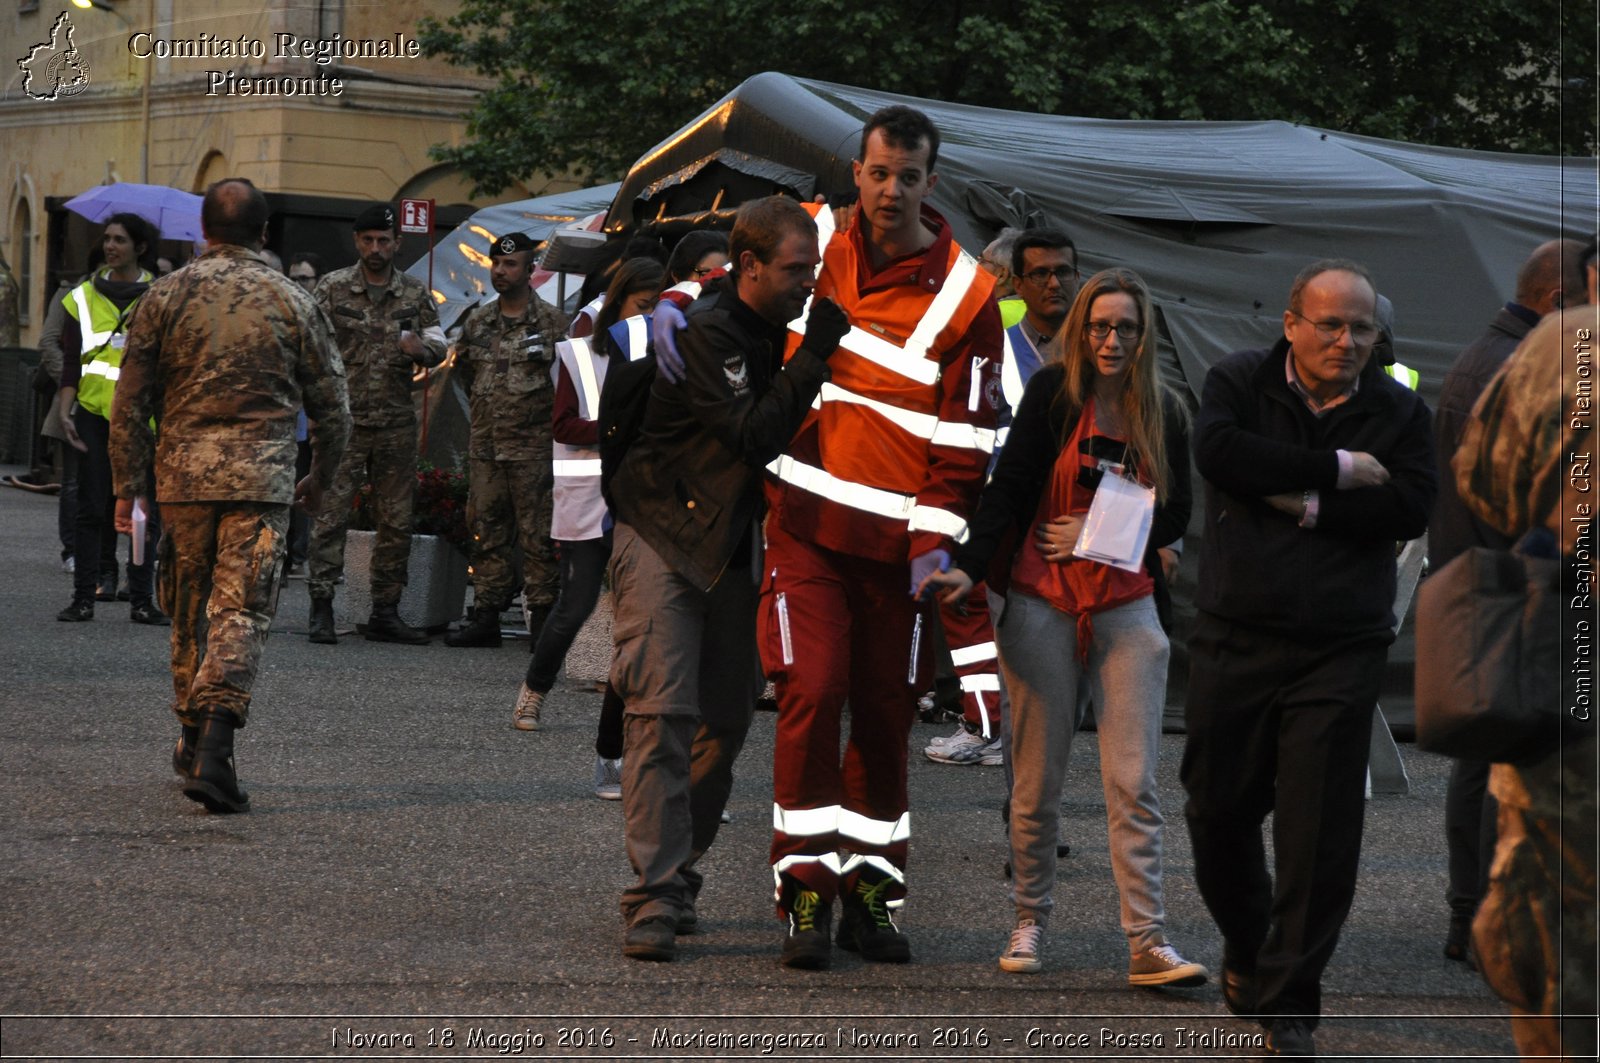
[983,651]
[105,369]
[927,518]
[1010,374]
[825,231]
[922,425]
[805,822]
[91,338]
[957,434]
[638,337]
[588,382]
[857,496]
[576,467]
[945,304]
[980,684]
[912,360]
[879,832]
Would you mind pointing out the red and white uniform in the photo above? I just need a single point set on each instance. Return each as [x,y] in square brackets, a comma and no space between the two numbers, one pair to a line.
[887,466]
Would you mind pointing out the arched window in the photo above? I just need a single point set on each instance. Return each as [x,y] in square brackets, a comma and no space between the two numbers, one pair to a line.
[22,259]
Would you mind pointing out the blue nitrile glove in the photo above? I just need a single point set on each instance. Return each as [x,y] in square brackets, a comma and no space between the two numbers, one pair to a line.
[926,565]
[665,323]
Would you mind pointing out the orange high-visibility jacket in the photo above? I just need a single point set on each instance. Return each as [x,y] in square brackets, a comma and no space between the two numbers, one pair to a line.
[889,462]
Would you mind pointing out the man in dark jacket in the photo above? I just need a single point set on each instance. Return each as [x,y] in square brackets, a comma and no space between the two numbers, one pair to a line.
[1316,463]
[1549,280]
[686,558]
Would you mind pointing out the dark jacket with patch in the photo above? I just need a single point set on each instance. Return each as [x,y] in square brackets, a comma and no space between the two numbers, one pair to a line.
[690,485]
[1255,437]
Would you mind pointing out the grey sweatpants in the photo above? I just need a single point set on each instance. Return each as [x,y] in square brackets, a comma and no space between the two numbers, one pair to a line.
[1127,676]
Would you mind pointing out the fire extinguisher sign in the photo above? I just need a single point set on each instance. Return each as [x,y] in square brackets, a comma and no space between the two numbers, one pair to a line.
[416,215]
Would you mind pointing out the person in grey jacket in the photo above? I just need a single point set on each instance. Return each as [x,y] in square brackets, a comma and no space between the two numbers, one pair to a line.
[686,556]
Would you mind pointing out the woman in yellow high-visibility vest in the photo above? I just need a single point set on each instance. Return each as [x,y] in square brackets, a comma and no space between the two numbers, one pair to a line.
[98,313]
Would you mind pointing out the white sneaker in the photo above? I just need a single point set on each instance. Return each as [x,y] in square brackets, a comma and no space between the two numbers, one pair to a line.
[1163,966]
[526,715]
[944,740]
[966,748]
[608,779]
[1022,952]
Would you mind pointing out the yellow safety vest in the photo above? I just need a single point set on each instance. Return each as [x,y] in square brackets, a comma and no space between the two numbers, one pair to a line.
[104,331]
[1405,374]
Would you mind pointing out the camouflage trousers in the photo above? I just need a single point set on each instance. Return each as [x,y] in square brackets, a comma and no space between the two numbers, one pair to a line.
[387,457]
[1535,932]
[508,503]
[220,569]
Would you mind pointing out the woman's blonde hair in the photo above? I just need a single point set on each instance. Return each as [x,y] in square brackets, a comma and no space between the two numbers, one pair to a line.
[1143,390]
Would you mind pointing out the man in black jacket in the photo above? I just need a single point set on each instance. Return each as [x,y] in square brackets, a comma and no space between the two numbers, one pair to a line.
[686,558]
[1316,463]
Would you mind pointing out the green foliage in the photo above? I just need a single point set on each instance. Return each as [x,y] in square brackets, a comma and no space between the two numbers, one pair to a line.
[592,85]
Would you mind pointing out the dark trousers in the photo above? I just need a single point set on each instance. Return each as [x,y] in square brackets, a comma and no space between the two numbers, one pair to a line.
[93,528]
[299,522]
[1282,725]
[581,567]
[1469,833]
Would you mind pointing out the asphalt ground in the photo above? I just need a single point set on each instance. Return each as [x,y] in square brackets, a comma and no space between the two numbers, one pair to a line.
[418,879]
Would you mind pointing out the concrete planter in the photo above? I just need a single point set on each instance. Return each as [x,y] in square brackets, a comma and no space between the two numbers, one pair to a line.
[436,583]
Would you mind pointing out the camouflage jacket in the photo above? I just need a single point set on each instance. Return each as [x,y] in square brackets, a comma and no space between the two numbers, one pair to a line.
[506,368]
[223,354]
[368,335]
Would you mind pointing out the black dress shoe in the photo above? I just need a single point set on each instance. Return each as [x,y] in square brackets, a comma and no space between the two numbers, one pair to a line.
[1239,992]
[1291,1038]
[79,610]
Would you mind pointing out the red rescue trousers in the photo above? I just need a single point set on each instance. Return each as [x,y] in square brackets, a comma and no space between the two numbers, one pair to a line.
[834,629]
[970,635]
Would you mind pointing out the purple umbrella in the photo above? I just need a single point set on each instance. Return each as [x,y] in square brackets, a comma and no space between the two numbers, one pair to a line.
[176,214]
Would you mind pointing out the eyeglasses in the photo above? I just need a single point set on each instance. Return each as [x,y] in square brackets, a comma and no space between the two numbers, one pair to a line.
[1042,275]
[1330,330]
[1099,330]
[699,272]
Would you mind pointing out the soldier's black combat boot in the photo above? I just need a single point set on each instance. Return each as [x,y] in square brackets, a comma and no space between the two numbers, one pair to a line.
[322,621]
[183,752]
[482,630]
[385,625]
[211,780]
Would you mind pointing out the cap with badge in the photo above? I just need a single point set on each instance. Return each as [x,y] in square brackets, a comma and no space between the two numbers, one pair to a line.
[511,243]
[377,216]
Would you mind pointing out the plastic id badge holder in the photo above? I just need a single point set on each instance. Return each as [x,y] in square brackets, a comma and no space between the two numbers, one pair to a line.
[1117,527]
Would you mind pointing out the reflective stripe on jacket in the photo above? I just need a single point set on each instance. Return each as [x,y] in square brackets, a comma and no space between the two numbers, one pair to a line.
[577,510]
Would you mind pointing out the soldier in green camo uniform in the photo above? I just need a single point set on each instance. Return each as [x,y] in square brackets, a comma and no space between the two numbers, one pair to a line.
[386,325]
[1524,463]
[223,354]
[505,354]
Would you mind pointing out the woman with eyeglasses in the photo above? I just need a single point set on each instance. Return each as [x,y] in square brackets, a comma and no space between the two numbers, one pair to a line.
[696,256]
[1096,409]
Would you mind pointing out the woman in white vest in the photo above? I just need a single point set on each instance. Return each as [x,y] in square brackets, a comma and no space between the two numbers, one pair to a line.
[95,331]
[579,522]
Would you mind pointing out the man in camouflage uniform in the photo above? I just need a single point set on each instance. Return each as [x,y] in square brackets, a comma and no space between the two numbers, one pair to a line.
[386,325]
[1525,463]
[505,355]
[223,355]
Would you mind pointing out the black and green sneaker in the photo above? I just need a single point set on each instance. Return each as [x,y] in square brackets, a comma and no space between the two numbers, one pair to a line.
[809,918]
[865,926]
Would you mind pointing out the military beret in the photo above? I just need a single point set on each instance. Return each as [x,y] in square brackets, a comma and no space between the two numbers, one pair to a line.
[377,216]
[511,243]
